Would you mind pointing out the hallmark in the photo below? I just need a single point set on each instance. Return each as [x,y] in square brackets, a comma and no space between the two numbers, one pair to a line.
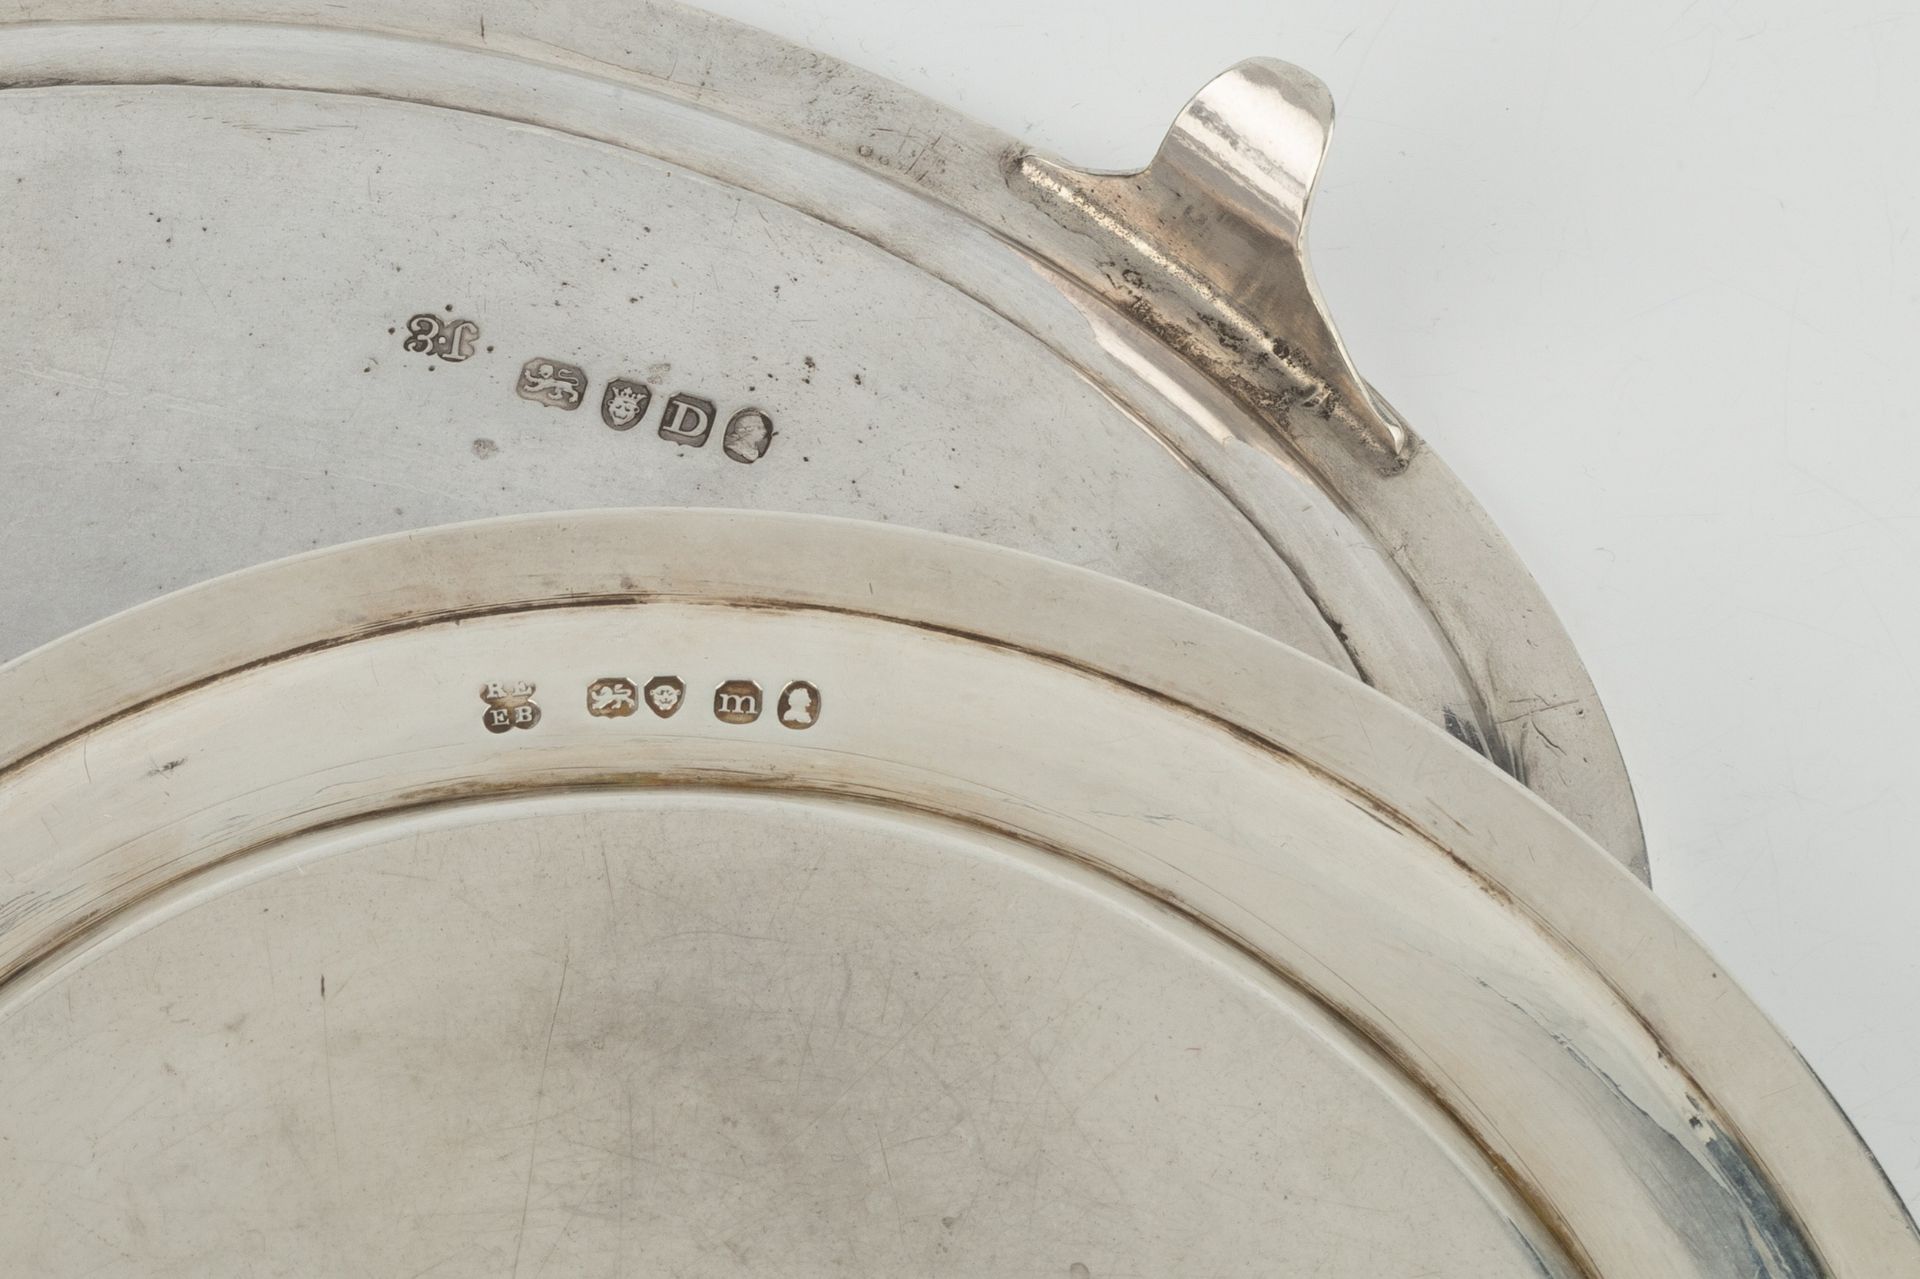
[748,436]
[687,419]
[552,383]
[799,705]
[624,403]
[664,694]
[737,702]
[612,698]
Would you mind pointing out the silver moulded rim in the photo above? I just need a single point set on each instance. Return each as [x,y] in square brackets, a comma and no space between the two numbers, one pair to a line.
[1659,1124]
[1196,261]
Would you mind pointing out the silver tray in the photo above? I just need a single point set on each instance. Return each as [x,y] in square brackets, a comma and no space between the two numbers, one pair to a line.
[951,911]
[281,275]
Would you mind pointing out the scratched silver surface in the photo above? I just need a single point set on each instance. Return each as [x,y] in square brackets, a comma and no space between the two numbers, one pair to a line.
[223,218]
[696,1037]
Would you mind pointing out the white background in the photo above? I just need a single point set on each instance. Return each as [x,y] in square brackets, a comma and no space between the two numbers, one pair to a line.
[1645,275]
